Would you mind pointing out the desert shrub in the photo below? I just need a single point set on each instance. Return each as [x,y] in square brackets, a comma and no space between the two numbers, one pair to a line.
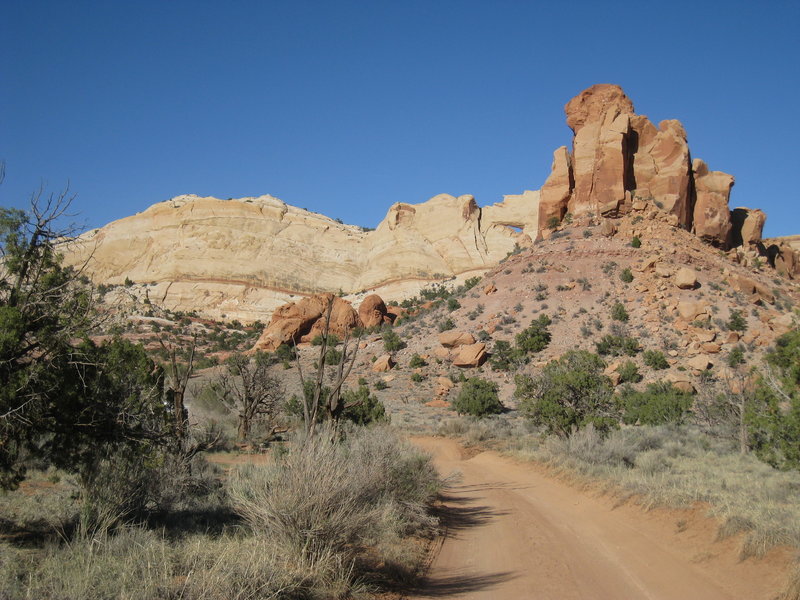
[453,304]
[658,404]
[655,359]
[446,325]
[736,357]
[618,312]
[570,393]
[417,361]
[505,357]
[332,340]
[625,275]
[381,385]
[617,345]
[417,377]
[737,322]
[536,337]
[552,222]
[333,356]
[478,398]
[629,372]
[636,242]
[471,283]
[392,341]
[362,408]
[327,500]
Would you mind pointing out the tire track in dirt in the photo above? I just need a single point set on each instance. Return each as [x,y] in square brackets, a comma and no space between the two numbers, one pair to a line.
[512,532]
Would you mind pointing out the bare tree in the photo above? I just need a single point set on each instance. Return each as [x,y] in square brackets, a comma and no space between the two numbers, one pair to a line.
[178,380]
[247,388]
[334,405]
[723,409]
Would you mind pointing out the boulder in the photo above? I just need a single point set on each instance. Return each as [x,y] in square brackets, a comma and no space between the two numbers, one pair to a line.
[699,363]
[746,226]
[452,338]
[383,363]
[441,353]
[712,220]
[686,279]
[373,312]
[681,382]
[689,310]
[752,288]
[470,356]
[303,320]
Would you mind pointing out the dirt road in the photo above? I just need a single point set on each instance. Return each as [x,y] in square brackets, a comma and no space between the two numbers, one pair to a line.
[513,532]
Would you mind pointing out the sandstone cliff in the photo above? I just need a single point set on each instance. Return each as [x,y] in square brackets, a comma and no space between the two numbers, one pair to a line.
[243,258]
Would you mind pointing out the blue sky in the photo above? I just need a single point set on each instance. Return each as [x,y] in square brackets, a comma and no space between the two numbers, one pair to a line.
[347,107]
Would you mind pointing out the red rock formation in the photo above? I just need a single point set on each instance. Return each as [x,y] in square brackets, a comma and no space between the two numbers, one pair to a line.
[452,338]
[303,321]
[620,159]
[556,191]
[472,355]
[600,120]
[746,226]
[373,312]
[712,220]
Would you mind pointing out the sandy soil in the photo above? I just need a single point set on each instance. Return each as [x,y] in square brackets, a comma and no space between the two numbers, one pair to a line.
[515,532]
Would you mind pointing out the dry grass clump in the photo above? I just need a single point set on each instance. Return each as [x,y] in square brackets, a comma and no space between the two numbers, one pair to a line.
[326,519]
[679,466]
[327,502]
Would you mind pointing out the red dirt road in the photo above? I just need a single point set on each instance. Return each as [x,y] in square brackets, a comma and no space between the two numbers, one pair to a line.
[515,533]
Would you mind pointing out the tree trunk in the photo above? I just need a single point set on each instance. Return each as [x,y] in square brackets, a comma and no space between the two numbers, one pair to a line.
[244,428]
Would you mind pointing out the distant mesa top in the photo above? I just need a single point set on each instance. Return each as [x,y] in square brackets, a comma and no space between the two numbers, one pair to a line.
[243,258]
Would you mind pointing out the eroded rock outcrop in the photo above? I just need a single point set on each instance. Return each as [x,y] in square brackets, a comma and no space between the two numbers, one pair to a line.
[620,160]
[304,320]
[243,258]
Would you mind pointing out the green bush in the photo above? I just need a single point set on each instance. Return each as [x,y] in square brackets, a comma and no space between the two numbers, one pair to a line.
[453,304]
[736,357]
[636,242]
[416,362]
[417,377]
[478,398]
[737,322]
[629,372]
[392,341]
[504,357]
[381,385]
[625,275]
[618,312]
[658,404]
[362,408]
[332,340]
[446,325]
[655,359]
[536,337]
[333,356]
[617,345]
[570,393]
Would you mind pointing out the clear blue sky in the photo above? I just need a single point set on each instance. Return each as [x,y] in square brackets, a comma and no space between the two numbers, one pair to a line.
[346,107]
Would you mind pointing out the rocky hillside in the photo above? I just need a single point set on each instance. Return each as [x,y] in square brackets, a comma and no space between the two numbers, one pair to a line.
[240,259]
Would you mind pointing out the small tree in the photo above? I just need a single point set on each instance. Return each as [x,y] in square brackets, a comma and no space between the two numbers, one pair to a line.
[536,337]
[478,398]
[247,388]
[319,396]
[570,393]
[658,404]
